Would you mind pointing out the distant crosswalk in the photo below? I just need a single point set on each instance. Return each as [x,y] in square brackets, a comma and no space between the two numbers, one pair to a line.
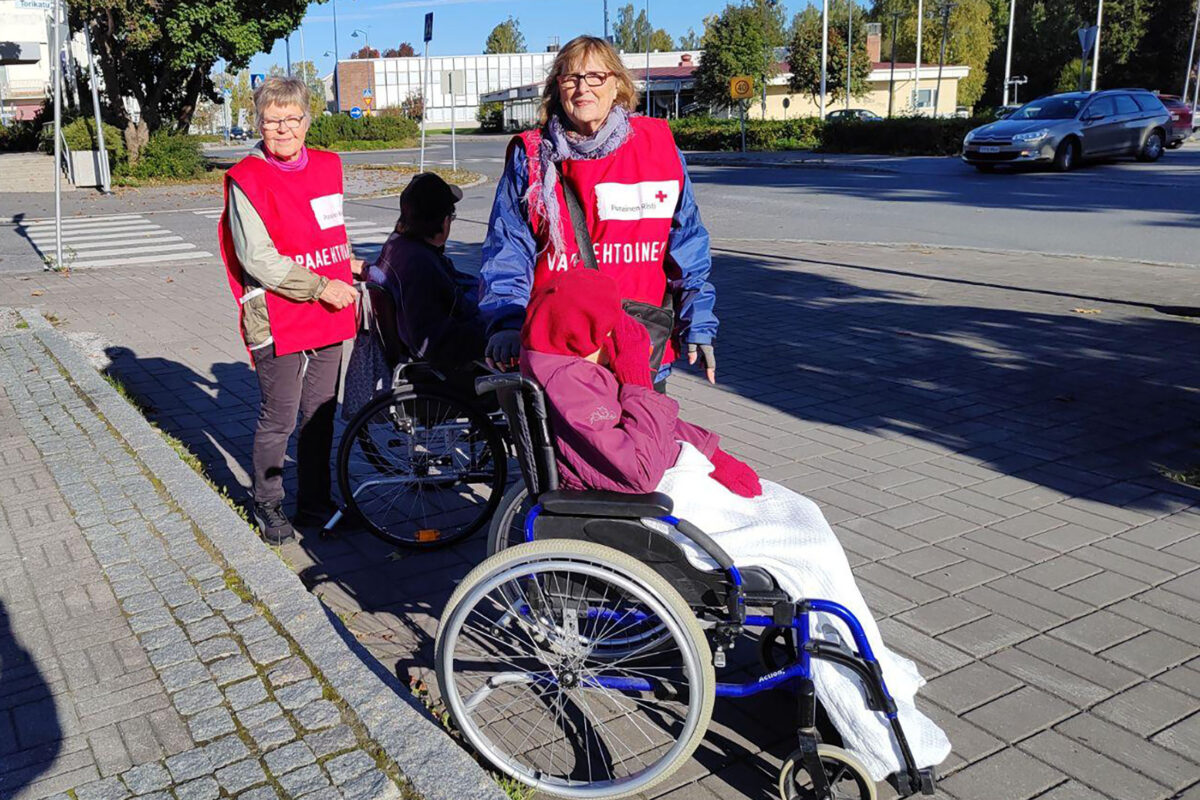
[361,231]
[114,241]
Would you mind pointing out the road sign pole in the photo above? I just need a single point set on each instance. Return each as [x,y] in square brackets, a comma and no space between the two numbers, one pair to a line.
[425,84]
[1096,46]
[453,145]
[824,52]
[57,67]
[917,70]
[1187,73]
[742,106]
[1012,13]
[105,173]
[849,48]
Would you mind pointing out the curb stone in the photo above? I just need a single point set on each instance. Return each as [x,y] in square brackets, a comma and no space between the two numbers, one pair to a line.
[431,762]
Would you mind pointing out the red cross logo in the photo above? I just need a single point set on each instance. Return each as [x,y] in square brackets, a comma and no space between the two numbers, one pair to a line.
[661,196]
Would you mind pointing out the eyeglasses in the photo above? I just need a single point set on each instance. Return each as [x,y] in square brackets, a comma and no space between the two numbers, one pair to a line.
[291,123]
[592,79]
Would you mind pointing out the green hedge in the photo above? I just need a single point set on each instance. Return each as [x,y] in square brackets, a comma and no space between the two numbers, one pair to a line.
[326,131]
[897,136]
[20,136]
[80,134]
[168,155]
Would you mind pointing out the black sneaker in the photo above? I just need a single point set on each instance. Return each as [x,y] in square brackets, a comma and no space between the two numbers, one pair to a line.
[273,524]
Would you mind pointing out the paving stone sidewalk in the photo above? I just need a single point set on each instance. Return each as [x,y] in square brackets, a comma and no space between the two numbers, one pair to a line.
[985,433]
[132,661]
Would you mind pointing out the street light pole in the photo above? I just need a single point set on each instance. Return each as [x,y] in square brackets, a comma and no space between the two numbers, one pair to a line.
[824,51]
[1187,75]
[937,95]
[337,78]
[287,53]
[850,47]
[892,78]
[57,67]
[917,71]
[1096,51]
[1012,12]
[649,113]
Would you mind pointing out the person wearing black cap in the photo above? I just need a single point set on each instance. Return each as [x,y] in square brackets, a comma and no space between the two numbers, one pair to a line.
[436,307]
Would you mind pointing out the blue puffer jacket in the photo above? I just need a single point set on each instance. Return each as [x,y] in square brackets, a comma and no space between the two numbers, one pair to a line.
[510,251]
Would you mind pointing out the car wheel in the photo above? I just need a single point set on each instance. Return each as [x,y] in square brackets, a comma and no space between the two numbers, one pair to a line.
[1152,148]
[1066,156]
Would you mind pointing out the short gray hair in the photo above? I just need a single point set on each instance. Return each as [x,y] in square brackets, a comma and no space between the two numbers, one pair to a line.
[280,91]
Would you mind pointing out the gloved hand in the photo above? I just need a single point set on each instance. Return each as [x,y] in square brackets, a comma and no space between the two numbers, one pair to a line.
[629,353]
[734,475]
[705,351]
[503,349]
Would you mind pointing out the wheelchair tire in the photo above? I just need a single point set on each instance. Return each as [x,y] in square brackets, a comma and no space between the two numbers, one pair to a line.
[508,523]
[847,777]
[421,469]
[543,659]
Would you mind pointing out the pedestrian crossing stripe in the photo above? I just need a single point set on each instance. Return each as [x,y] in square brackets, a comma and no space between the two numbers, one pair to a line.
[110,241]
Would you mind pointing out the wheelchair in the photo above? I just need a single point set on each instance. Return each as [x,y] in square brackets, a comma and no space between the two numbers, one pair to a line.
[582,662]
[420,465]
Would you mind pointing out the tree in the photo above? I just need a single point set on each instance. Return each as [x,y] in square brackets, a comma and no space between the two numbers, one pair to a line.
[970,40]
[241,98]
[162,54]
[804,55]
[413,106]
[661,42]
[631,33]
[505,38]
[365,52]
[735,43]
[689,41]
[405,50]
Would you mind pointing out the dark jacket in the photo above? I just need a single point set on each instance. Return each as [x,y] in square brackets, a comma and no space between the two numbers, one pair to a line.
[607,435]
[437,313]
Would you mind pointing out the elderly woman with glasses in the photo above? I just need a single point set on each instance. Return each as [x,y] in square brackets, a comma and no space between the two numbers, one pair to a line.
[593,177]
[290,266]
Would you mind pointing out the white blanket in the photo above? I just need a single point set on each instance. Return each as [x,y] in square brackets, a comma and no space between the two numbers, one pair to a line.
[786,534]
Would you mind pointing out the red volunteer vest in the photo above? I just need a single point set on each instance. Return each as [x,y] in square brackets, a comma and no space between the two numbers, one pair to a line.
[629,198]
[302,212]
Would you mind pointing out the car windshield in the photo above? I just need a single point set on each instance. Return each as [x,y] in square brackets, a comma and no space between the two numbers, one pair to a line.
[1049,108]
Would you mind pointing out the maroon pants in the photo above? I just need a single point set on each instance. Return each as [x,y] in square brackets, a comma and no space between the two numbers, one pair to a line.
[304,383]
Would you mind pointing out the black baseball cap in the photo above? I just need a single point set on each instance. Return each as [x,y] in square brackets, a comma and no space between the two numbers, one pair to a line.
[428,197]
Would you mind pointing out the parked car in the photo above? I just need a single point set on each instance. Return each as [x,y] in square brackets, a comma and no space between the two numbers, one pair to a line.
[1182,123]
[237,134]
[852,114]
[1064,129]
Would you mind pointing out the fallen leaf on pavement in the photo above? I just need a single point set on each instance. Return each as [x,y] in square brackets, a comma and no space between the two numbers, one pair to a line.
[37,293]
[170,280]
[1085,310]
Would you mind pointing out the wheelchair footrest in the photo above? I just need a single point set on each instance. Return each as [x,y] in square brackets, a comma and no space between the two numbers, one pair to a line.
[906,784]
[928,780]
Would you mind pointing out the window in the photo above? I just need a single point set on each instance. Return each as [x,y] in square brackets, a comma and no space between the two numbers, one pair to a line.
[1149,102]
[1125,105]
[1102,107]
[924,98]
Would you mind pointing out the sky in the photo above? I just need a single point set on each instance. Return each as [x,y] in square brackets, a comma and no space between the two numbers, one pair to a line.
[460,27]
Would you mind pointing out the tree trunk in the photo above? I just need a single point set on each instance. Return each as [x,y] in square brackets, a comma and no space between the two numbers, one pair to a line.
[136,137]
[104,45]
[191,93]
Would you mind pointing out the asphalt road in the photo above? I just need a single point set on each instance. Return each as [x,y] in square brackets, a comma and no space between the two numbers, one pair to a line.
[1123,210]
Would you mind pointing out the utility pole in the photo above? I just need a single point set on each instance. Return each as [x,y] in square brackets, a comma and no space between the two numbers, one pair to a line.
[606,21]
[105,174]
[824,52]
[287,53]
[945,12]
[850,47]
[1096,51]
[1187,74]
[892,79]
[1012,12]
[917,71]
[649,113]
[57,67]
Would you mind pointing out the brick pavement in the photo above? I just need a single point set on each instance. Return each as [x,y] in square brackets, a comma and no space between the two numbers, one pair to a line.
[132,663]
[984,432]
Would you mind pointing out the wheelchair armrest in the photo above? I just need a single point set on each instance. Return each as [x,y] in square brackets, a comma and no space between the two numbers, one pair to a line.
[606,504]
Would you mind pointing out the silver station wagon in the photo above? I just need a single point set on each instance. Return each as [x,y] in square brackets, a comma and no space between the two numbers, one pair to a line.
[1064,129]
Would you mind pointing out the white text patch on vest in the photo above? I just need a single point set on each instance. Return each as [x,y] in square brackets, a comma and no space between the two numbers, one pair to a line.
[325,257]
[645,200]
[328,211]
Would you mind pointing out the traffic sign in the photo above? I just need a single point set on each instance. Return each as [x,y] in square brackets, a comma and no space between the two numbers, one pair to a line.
[741,87]
[368,101]
[227,92]
[429,27]
[367,93]
[1087,38]
[256,78]
[355,112]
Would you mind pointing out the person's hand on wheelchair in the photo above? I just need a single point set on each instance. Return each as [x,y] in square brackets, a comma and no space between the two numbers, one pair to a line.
[503,350]
[338,294]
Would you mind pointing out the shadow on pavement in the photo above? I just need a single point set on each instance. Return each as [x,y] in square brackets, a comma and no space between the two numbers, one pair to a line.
[30,733]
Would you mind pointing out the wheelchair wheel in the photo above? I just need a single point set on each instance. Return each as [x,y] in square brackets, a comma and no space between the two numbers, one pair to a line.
[523,684]
[848,779]
[508,523]
[421,469]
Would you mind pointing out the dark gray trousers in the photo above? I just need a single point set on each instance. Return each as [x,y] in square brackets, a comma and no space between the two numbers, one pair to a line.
[304,383]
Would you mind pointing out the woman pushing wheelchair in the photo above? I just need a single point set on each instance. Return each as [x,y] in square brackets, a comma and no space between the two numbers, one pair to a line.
[605,629]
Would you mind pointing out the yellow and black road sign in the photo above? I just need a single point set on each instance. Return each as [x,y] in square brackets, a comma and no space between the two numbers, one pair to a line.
[741,87]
